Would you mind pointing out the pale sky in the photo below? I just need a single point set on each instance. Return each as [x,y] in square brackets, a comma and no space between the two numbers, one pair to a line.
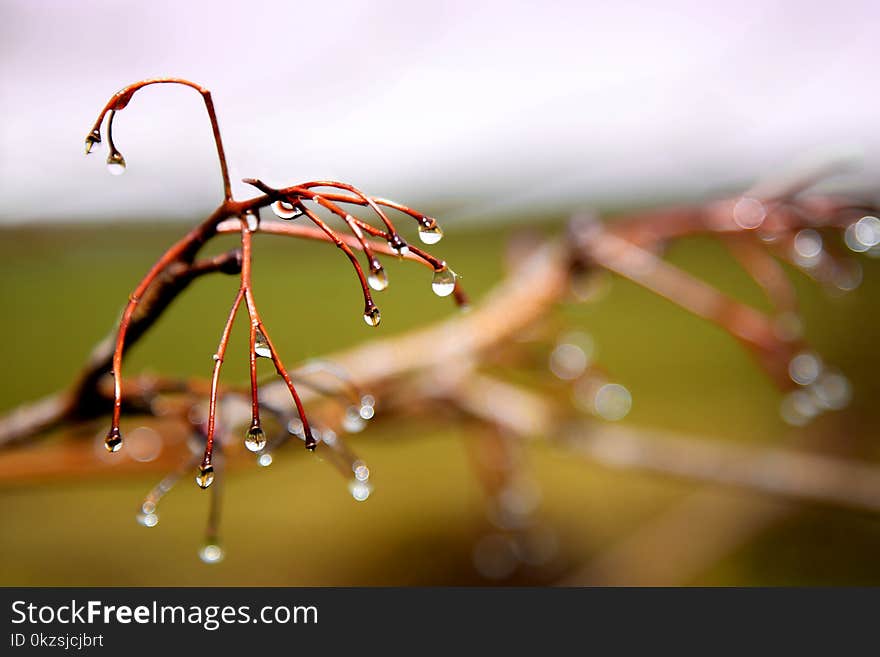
[476,104]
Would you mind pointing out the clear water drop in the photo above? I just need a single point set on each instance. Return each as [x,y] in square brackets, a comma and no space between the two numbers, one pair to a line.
[430,234]
[443,282]
[252,221]
[367,412]
[353,422]
[372,316]
[148,507]
[116,163]
[378,279]
[255,440]
[285,210]
[211,553]
[261,346]
[264,460]
[113,441]
[93,142]
[205,477]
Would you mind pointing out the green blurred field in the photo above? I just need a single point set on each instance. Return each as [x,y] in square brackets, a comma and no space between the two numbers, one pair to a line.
[295,522]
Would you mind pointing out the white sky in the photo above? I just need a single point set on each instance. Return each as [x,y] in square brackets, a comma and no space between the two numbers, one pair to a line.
[499,104]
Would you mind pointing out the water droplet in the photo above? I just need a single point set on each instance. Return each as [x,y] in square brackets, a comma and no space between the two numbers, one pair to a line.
[215,357]
[378,279]
[93,142]
[805,368]
[148,519]
[361,471]
[264,460]
[116,163]
[252,221]
[360,490]
[367,412]
[113,441]
[353,422]
[749,213]
[398,245]
[368,400]
[205,477]
[612,402]
[443,282]
[430,234]
[148,507]
[255,439]
[261,345]
[372,316]
[211,553]
[285,210]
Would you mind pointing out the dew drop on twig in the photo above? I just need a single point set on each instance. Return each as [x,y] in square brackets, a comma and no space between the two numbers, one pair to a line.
[430,234]
[372,317]
[443,282]
[255,440]
[113,441]
[116,163]
[378,279]
[205,476]
[285,210]
[261,345]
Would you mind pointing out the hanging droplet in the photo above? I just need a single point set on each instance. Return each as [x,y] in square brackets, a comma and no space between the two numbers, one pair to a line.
[116,163]
[311,440]
[430,234]
[398,245]
[261,345]
[211,553]
[252,221]
[378,279]
[372,316]
[255,439]
[444,282]
[353,422]
[367,412]
[360,490]
[205,477]
[264,460]
[93,142]
[285,210]
[113,441]
[148,519]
